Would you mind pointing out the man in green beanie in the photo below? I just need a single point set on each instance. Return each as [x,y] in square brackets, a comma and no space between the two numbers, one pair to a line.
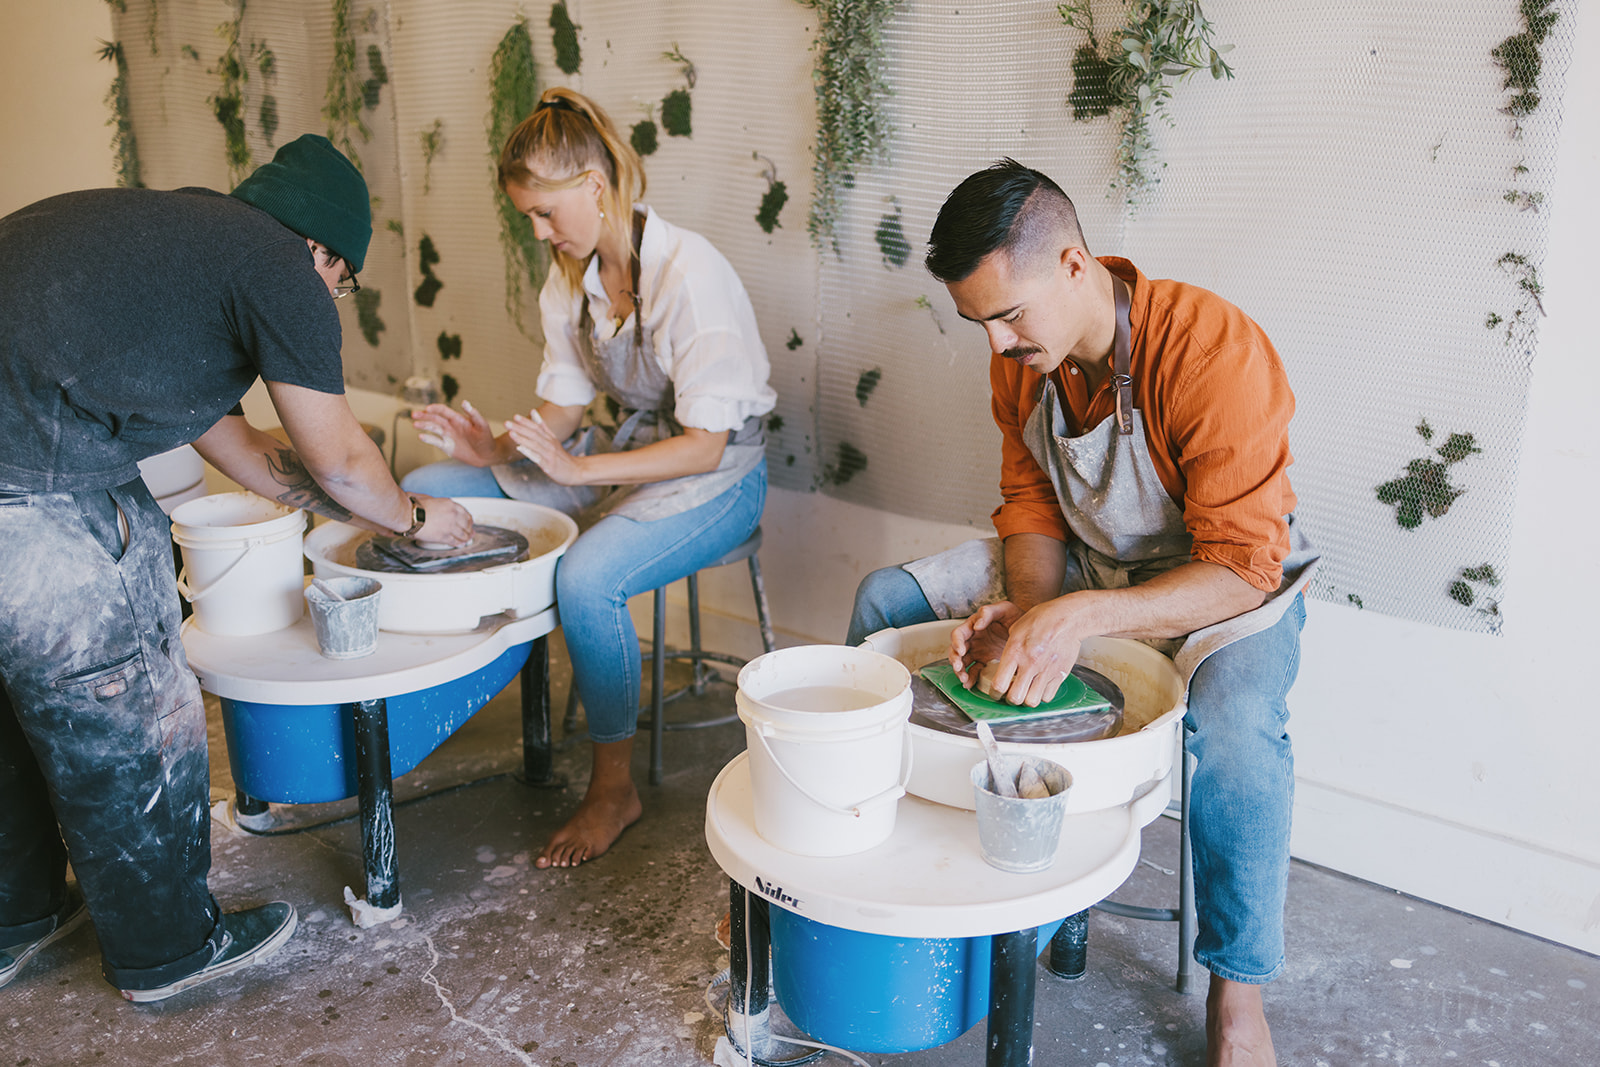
[132,321]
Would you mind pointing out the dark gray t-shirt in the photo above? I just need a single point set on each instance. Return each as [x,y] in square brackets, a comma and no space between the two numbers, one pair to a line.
[131,320]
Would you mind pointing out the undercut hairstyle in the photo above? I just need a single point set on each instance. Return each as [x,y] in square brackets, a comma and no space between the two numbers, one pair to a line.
[1008,208]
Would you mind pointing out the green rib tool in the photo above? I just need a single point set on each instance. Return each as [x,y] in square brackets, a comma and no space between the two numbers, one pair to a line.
[1073,696]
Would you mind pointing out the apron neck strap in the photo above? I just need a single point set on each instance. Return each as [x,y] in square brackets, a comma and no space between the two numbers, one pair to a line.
[1121,359]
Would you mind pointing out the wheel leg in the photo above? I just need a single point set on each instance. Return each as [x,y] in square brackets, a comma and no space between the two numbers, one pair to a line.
[1012,958]
[375,788]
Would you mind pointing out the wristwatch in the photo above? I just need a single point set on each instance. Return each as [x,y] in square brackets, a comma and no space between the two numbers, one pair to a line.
[418,517]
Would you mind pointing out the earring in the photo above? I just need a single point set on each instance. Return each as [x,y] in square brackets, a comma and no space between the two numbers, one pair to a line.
[602,213]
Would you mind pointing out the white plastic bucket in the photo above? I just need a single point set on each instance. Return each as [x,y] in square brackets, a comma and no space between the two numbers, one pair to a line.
[825,725]
[242,568]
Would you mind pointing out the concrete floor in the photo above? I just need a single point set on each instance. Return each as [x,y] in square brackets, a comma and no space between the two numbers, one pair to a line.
[494,962]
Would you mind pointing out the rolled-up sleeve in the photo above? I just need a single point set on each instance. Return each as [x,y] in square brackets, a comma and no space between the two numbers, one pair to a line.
[1229,428]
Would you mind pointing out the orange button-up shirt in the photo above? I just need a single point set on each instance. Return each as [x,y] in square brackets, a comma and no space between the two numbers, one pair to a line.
[1216,405]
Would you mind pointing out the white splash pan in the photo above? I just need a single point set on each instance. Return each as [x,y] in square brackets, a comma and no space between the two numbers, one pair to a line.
[456,603]
[1105,774]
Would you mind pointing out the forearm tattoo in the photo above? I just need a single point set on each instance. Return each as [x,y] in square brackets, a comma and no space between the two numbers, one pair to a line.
[300,489]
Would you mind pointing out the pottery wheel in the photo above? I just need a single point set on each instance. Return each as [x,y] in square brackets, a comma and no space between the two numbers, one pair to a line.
[491,546]
[932,709]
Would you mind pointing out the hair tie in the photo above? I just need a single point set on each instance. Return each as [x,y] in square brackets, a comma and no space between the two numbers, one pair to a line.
[557,102]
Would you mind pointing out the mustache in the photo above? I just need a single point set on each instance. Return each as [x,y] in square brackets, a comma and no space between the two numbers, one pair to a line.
[1020,353]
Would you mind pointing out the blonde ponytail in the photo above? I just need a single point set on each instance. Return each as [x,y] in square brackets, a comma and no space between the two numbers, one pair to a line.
[567,136]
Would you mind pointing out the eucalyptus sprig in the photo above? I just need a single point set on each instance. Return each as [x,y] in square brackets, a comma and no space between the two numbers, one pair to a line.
[123,143]
[1133,73]
[850,85]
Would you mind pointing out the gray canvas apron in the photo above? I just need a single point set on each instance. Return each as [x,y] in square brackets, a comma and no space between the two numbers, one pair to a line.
[1126,529]
[624,367]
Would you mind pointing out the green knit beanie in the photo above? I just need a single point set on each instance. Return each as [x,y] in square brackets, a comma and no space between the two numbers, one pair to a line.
[314,190]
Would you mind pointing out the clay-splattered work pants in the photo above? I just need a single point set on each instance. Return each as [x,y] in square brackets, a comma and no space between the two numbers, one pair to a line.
[102,733]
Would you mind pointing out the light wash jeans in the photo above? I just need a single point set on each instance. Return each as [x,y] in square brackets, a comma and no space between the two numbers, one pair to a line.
[612,561]
[1243,784]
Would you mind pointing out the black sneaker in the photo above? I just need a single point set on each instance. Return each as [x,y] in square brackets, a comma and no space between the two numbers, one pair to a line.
[67,919]
[249,936]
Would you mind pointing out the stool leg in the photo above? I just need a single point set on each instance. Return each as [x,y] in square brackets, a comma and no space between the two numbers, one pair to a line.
[695,647]
[375,787]
[759,587]
[1011,962]
[658,685]
[1186,913]
[1069,948]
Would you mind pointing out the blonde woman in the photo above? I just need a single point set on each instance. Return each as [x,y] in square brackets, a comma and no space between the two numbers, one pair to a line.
[652,316]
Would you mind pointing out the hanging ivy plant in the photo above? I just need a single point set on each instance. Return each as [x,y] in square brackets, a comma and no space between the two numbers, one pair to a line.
[849,84]
[513,92]
[123,143]
[227,103]
[564,39]
[346,92]
[772,201]
[1133,71]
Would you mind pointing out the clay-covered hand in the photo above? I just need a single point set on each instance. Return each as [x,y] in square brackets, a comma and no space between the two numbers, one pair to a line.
[448,523]
[1038,649]
[534,439]
[981,639]
[464,435]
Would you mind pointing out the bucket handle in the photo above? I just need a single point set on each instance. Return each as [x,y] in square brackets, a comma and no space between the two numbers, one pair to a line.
[893,793]
[192,595]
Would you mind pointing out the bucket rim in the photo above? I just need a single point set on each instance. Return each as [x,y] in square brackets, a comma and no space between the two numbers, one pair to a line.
[288,516]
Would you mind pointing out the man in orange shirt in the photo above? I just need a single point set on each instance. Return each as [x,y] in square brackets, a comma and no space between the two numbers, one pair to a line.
[1145,495]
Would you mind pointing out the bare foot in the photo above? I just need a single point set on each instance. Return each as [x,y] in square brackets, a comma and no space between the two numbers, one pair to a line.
[610,805]
[1236,1026]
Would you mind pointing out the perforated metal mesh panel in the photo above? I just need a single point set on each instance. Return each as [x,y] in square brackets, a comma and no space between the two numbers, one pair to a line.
[1348,190]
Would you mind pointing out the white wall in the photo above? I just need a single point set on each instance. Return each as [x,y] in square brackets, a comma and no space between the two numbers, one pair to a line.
[1453,766]
[53,87]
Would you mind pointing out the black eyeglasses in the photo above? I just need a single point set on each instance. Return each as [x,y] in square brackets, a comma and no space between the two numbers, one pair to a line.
[341,289]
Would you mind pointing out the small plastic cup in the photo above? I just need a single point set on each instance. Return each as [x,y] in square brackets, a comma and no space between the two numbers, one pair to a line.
[1017,834]
[348,628]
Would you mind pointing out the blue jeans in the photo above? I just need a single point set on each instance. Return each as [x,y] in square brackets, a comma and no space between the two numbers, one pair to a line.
[102,734]
[616,559]
[1242,790]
